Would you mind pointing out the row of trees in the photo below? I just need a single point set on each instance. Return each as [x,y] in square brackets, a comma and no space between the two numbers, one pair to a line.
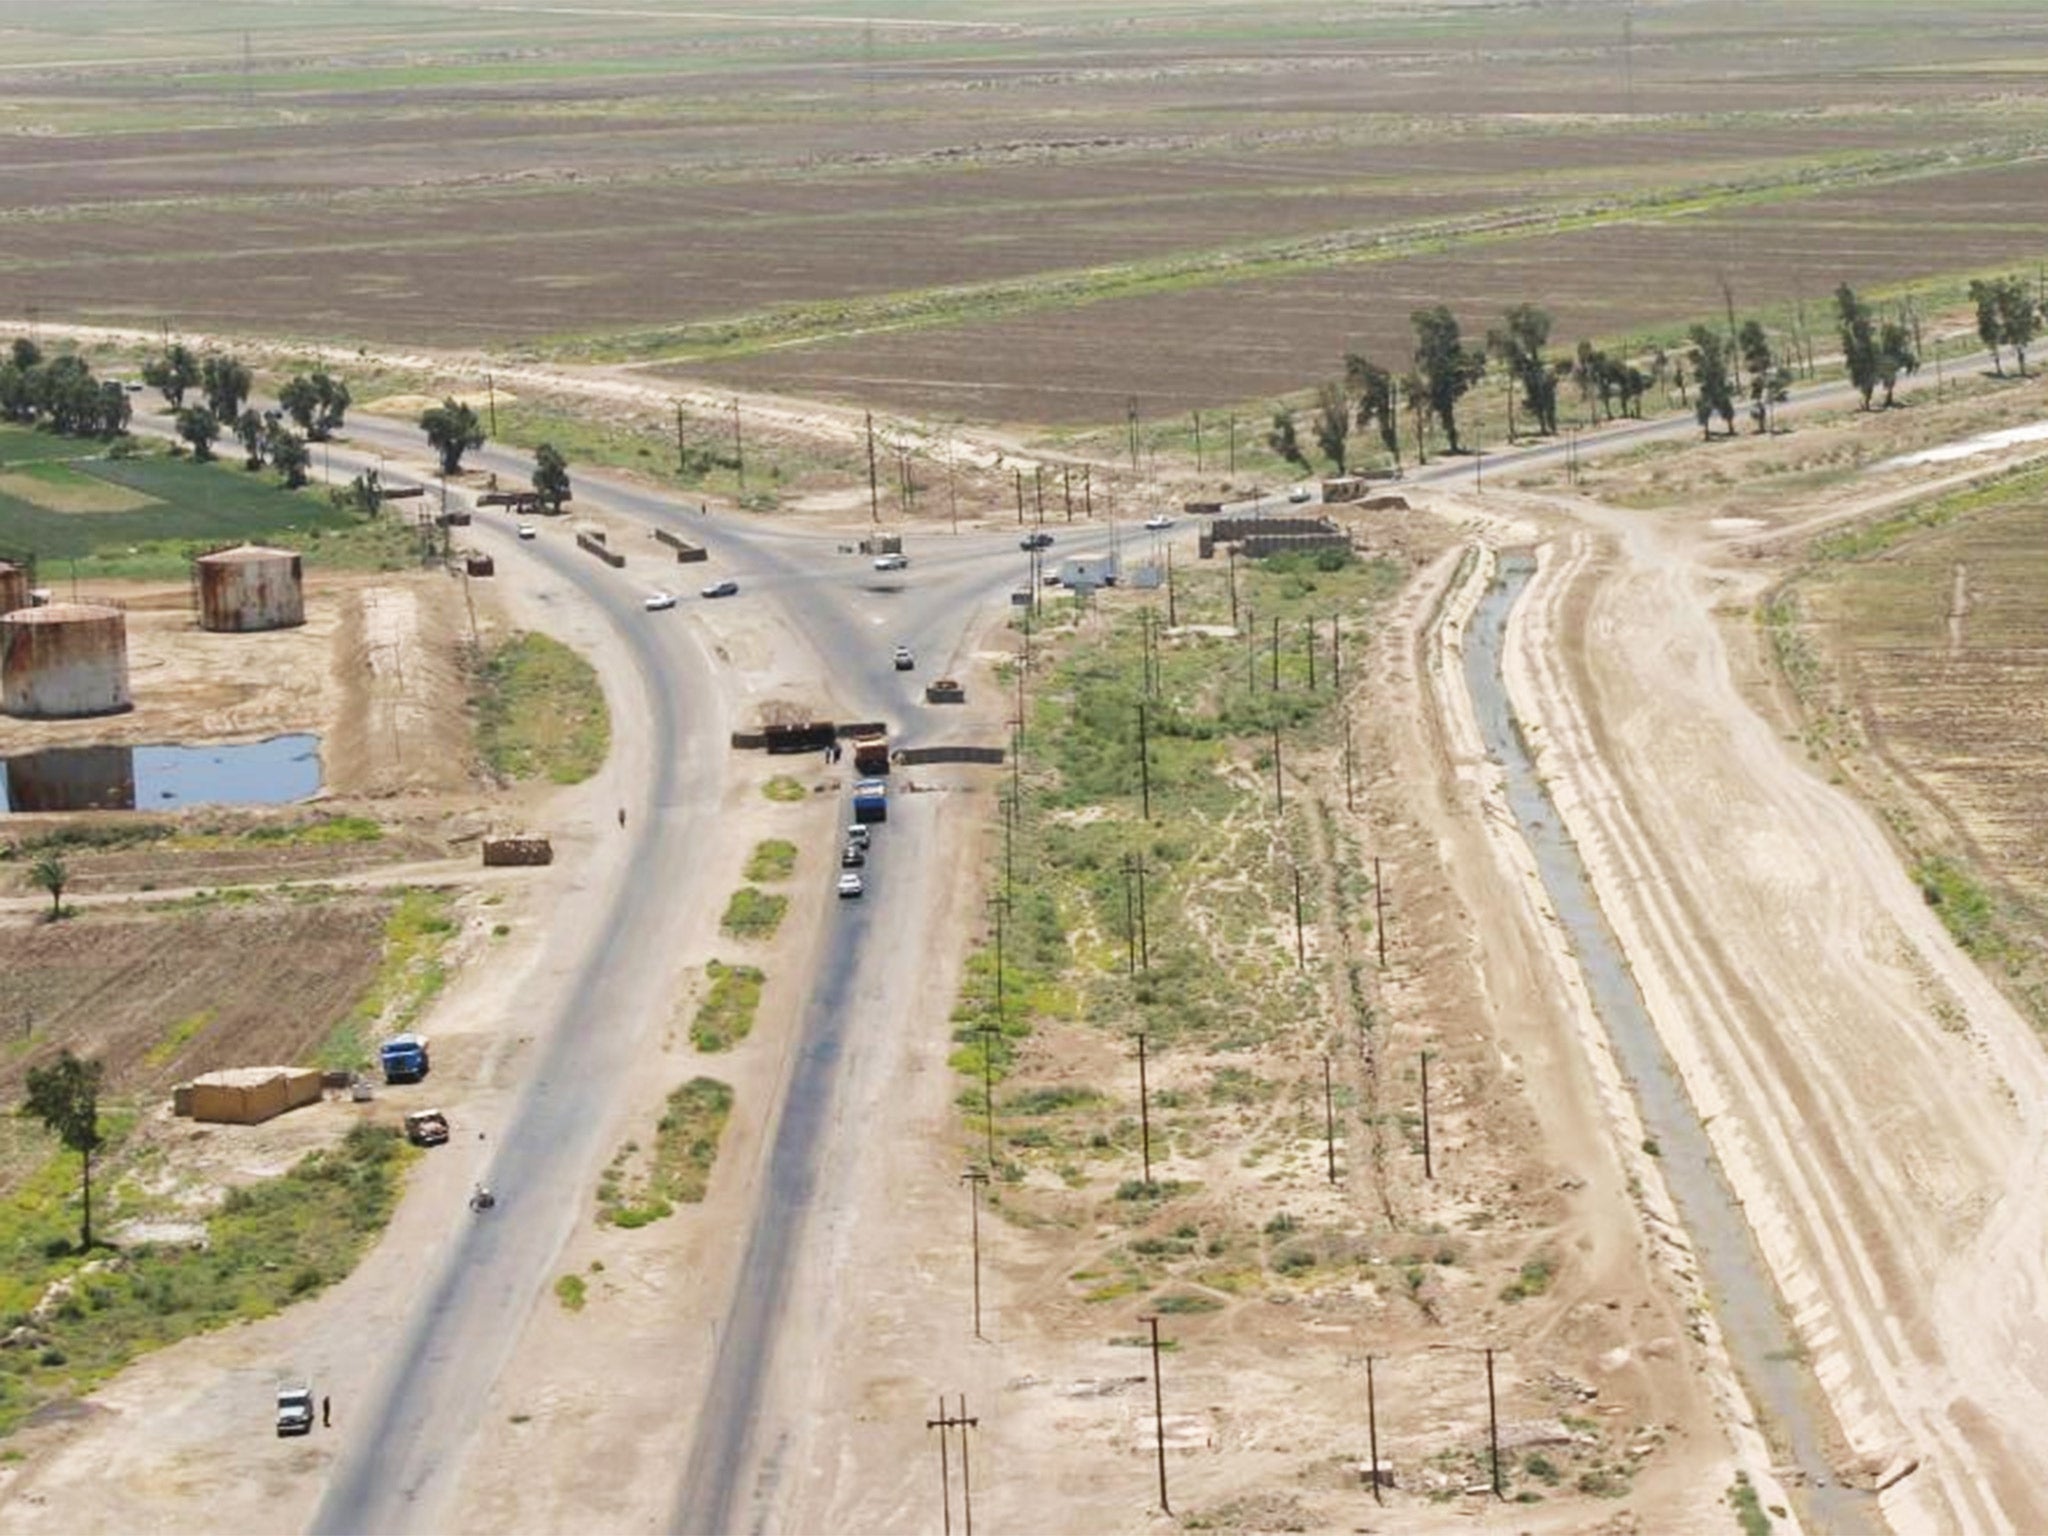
[317,402]
[1720,372]
[60,393]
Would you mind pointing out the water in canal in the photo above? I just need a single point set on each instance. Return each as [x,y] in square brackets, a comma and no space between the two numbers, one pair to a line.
[168,778]
[1744,1297]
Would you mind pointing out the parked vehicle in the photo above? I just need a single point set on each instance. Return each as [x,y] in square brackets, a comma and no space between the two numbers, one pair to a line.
[403,1058]
[656,601]
[295,1409]
[857,836]
[853,855]
[851,884]
[945,690]
[426,1128]
[891,562]
[1301,493]
[528,531]
[727,588]
[904,660]
[1159,522]
[1035,541]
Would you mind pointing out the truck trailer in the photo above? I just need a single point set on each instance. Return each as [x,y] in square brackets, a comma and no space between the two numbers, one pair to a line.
[870,801]
[403,1058]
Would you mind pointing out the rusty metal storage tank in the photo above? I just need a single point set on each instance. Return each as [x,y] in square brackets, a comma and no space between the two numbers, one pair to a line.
[250,587]
[63,661]
[14,585]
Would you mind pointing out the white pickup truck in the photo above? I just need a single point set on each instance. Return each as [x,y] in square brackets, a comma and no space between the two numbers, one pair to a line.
[294,1410]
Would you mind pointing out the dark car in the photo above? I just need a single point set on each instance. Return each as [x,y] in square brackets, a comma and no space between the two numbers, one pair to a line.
[853,856]
[722,589]
[1035,541]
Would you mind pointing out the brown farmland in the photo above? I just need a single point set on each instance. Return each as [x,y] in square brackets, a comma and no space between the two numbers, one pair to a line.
[809,195]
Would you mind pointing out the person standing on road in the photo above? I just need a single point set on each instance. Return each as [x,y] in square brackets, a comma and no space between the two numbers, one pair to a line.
[326,1412]
[622,815]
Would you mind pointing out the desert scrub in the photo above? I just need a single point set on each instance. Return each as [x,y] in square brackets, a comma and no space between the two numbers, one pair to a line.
[539,712]
[772,860]
[571,1292]
[784,790]
[753,913]
[267,1245]
[726,1016]
[636,1189]
[1533,1279]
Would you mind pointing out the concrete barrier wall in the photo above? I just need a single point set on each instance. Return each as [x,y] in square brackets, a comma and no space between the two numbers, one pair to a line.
[594,546]
[910,756]
[685,550]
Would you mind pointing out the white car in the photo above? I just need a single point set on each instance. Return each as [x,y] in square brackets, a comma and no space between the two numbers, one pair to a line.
[1300,493]
[891,562]
[527,531]
[1159,522]
[656,601]
[851,884]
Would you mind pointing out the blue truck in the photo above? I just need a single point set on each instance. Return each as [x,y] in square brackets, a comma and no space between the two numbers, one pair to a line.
[871,800]
[403,1058]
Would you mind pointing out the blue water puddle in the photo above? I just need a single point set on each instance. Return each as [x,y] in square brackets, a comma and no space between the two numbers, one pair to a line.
[278,771]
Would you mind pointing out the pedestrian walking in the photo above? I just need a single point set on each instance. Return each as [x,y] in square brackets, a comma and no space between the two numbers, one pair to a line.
[326,1413]
[622,815]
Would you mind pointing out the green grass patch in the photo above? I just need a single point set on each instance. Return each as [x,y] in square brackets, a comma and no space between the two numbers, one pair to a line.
[726,1016]
[784,790]
[753,913]
[1183,1303]
[772,860]
[177,1037]
[1964,906]
[540,713]
[571,1292]
[1749,1509]
[409,978]
[1533,1279]
[636,1190]
[188,509]
[268,1245]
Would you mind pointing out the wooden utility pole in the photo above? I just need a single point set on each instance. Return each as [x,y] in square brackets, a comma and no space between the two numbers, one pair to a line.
[1172,614]
[1233,445]
[1131,421]
[491,395]
[1144,1114]
[1329,1119]
[1336,653]
[1038,491]
[1372,1432]
[988,1071]
[1300,942]
[1144,764]
[974,1178]
[1159,1413]
[1018,474]
[945,1423]
[1308,639]
[1130,919]
[1350,798]
[1067,488]
[1279,788]
[1144,925]
[1087,490]
[1276,653]
[1428,1156]
[1198,442]
[1233,586]
[682,452]
[1493,1427]
[739,448]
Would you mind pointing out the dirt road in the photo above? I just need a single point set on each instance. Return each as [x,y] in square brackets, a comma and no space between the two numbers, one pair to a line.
[1877,1104]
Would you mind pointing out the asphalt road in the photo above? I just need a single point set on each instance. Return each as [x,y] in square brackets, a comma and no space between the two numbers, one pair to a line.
[394,1476]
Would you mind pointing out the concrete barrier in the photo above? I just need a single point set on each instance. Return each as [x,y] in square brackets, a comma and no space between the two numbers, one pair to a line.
[911,756]
[686,552]
[596,547]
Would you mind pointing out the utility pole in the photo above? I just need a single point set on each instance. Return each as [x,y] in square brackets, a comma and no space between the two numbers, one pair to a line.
[1144,1114]
[1372,1431]
[1131,421]
[1336,653]
[1279,788]
[491,395]
[988,1076]
[1428,1158]
[974,1178]
[1067,488]
[1088,490]
[1493,1427]
[1350,797]
[1159,1412]
[874,495]
[1144,925]
[1233,586]
[1329,1120]
[1144,764]
[1172,614]
[739,448]
[1198,442]
[944,1424]
[1018,475]
[1038,491]
[1130,919]
[682,455]
[1276,653]
[1479,470]
[1308,645]
[1233,444]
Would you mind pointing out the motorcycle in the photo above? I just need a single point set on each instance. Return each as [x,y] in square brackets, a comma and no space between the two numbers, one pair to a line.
[481,1199]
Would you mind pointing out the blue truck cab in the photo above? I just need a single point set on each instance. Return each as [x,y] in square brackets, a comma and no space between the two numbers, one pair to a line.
[871,800]
[403,1058]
